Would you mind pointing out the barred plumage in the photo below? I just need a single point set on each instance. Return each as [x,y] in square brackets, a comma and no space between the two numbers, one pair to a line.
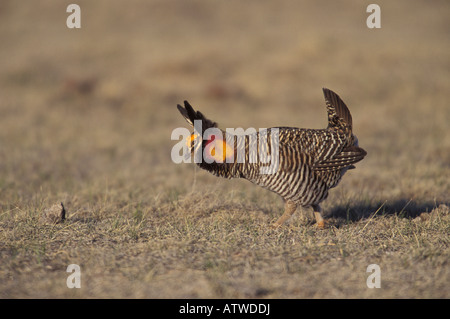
[300,165]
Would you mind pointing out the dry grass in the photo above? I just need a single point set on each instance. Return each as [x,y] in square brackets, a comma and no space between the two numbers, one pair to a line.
[86,117]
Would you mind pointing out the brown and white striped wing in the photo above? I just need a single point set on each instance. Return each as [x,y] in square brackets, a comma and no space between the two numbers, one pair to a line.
[347,157]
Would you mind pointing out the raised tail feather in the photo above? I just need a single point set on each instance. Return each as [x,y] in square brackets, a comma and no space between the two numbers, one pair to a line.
[339,117]
[346,158]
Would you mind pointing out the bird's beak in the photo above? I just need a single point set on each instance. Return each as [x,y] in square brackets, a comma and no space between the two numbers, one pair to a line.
[189,143]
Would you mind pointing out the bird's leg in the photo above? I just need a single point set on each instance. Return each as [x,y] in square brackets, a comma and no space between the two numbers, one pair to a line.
[318,214]
[289,209]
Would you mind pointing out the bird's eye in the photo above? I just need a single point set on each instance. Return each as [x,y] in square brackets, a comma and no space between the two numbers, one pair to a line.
[191,139]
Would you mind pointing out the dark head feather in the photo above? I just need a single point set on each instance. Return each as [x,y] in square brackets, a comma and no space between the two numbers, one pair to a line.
[190,115]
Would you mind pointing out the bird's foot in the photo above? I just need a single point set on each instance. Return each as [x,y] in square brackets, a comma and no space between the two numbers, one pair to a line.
[275,225]
[321,224]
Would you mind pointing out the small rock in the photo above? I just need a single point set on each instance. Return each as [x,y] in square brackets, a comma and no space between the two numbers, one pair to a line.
[54,214]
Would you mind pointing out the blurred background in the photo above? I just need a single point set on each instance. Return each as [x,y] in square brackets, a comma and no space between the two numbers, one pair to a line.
[91,109]
[86,117]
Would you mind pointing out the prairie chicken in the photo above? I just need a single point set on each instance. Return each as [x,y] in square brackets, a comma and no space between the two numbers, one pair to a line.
[304,163]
